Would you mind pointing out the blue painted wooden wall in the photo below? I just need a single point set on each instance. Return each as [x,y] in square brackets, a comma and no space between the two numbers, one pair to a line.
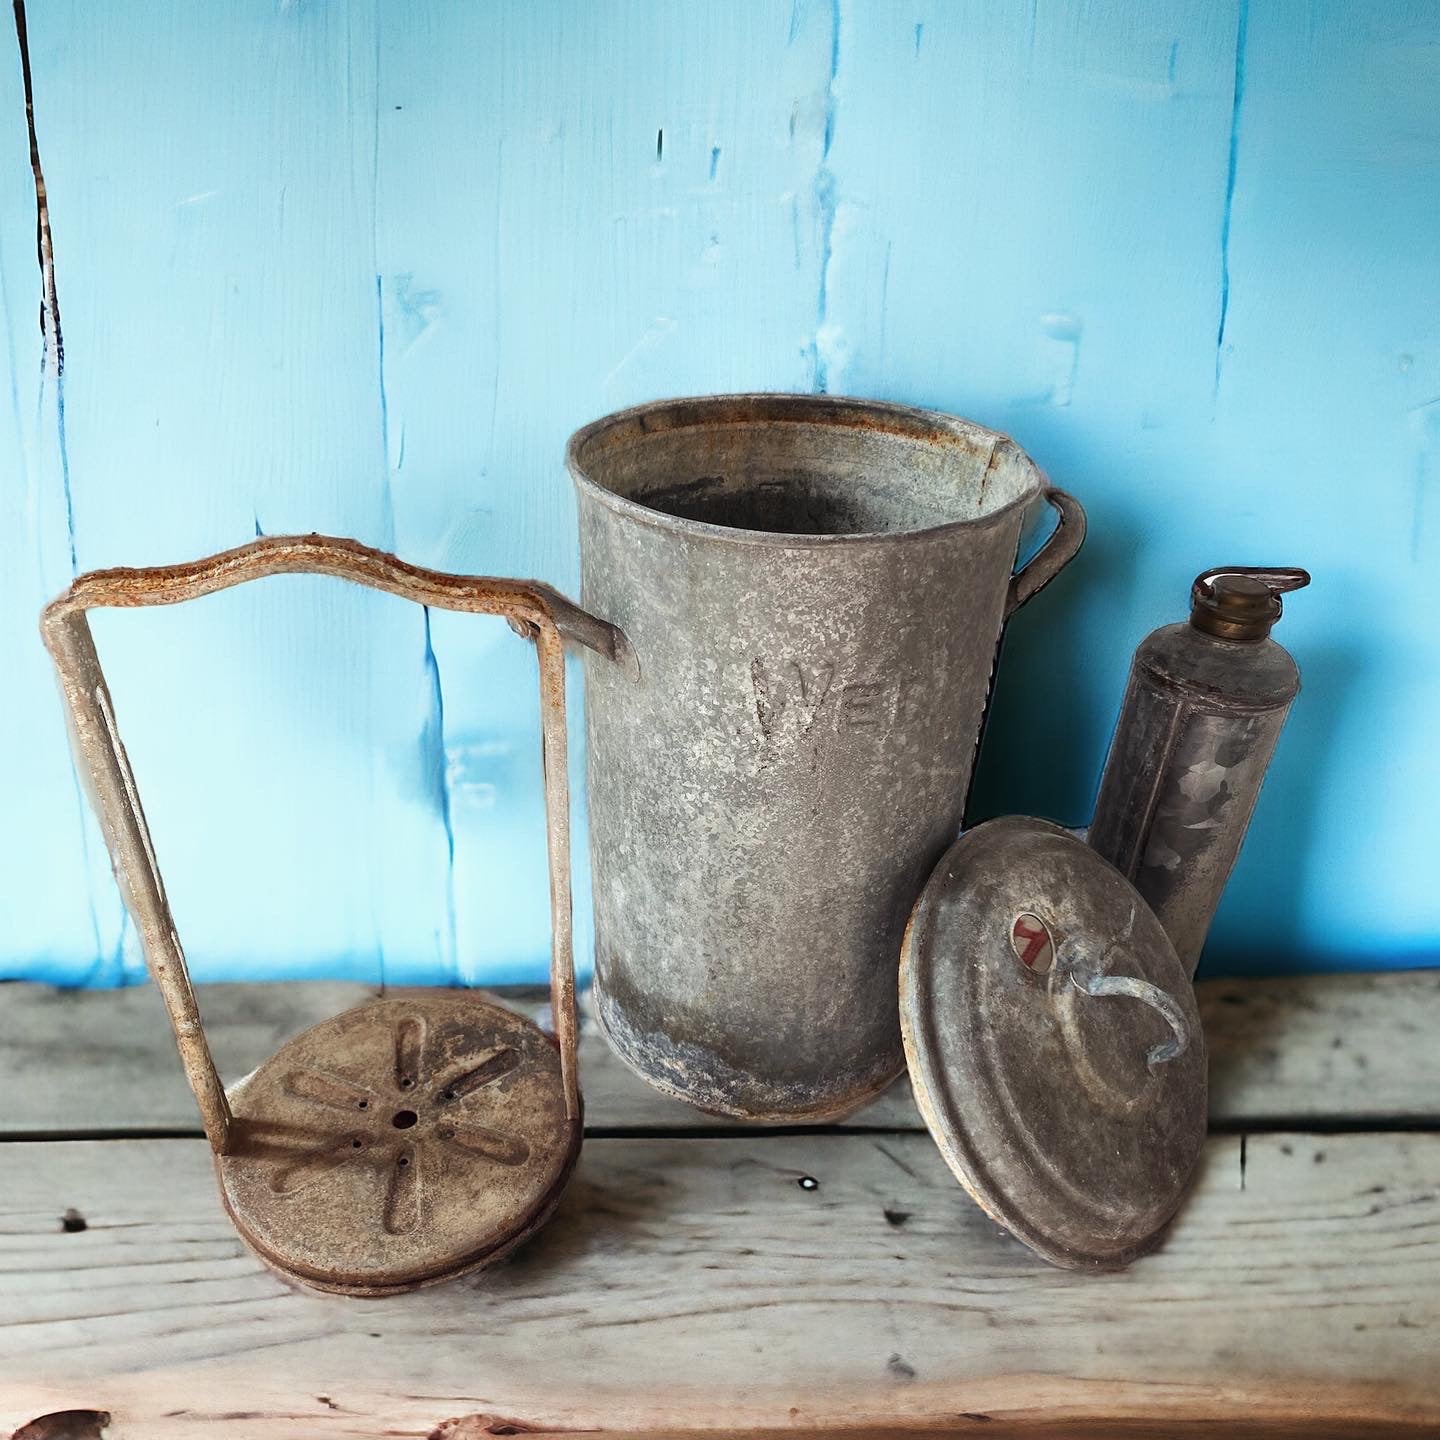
[362,267]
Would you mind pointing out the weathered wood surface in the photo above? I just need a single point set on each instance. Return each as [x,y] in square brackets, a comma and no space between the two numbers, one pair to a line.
[689,1281]
[696,1282]
[1349,1049]
[97,1062]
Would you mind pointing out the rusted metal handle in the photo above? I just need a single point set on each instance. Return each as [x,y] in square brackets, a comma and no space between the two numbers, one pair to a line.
[1279,580]
[543,615]
[1054,555]
[1157,999]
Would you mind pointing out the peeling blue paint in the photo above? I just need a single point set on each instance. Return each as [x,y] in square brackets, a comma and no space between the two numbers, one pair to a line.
[432,746]
[63,448]
[387,540]
[1231,166]
[825,206]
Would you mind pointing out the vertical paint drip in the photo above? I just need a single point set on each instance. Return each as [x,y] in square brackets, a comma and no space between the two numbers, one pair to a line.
[433,740]
[1237,97]
[797,17]
[825,204]
[387,541]
[387,498]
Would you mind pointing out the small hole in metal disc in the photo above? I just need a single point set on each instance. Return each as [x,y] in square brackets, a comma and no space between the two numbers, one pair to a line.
[364,1104]
[1032,942]
[447,1094]
[403,1119]
[355,1144]
[403,1161]
[406,1081]
[809,1182]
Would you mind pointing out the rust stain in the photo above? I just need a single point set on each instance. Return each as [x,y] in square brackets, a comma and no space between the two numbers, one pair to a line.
[65,1424]
[480,1427]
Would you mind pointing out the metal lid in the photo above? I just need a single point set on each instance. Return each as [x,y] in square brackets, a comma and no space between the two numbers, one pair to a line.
[1053,1043]
[400,1143]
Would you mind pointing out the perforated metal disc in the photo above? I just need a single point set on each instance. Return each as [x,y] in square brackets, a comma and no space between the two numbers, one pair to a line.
[400,1143]
[1057,1107]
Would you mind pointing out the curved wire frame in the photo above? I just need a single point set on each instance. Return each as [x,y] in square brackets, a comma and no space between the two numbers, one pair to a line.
[534,610]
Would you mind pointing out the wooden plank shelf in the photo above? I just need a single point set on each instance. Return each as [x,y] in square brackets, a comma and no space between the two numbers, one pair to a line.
[690,1282]
[1323,1050]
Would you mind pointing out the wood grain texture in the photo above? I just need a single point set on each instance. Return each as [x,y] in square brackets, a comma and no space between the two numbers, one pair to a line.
[696,1282]
[67,1067]
[1350,1048]
[1319,1049]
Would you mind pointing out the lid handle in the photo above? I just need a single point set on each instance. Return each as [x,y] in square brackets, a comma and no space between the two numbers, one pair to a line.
[1152,995]
[1242,602]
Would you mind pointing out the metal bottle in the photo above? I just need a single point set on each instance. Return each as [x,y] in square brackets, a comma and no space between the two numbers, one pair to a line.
[1202,712]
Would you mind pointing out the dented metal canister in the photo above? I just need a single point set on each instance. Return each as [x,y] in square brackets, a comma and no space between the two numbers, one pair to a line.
[812,592]
[1202,713]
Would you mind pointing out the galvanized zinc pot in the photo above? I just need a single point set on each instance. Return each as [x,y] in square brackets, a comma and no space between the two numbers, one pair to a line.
[811,593]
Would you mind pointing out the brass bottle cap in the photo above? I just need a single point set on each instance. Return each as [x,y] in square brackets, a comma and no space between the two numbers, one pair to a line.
[1241,602]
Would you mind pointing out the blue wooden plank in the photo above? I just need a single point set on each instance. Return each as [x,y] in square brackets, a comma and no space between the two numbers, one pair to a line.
[211,182]
[1043,216]
[1026,247]
[580,207]
[54,925]
[1327,421]
[363,266]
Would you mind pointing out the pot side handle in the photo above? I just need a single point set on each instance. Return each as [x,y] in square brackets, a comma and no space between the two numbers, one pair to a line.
[580,627]
[1054,555]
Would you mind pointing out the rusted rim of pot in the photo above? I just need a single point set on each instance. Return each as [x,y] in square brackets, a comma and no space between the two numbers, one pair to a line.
[778,407]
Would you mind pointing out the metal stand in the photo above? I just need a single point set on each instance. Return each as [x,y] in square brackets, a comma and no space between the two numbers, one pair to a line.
[407,1140]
